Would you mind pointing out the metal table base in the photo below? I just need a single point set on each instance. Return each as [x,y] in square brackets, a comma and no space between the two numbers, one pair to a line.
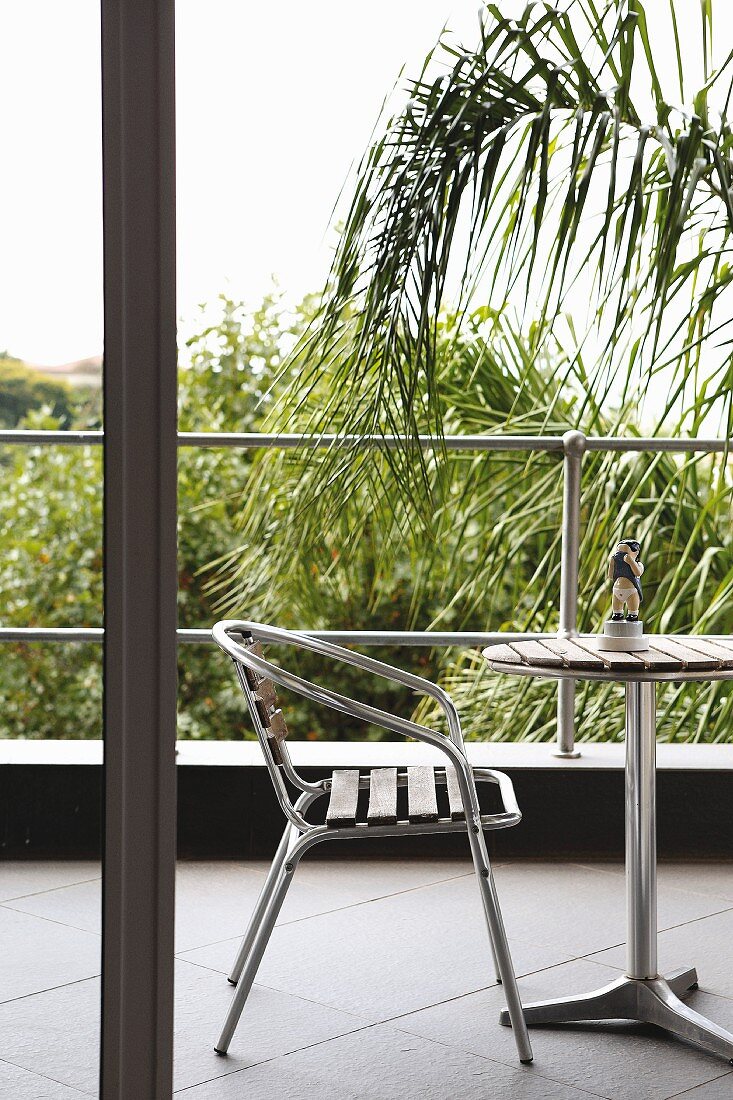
[641,995]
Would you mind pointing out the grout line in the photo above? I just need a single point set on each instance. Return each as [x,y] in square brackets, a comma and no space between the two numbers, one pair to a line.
[237,935]
[493,985]
[276,1058]
[327,913]
[433,1042]
[49,989]
[289,993]
[50,920]
[368,901]
[660,931]
[699,1085]
[677,889]
[51,889]
[45,1077]
[510,1065]
[412,1011]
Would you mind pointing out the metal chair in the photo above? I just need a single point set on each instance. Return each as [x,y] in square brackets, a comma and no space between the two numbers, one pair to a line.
[455,783]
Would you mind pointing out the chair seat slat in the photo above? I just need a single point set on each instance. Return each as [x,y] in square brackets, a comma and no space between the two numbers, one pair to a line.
[422,802]
[344,798]
[382,797]
[455,801]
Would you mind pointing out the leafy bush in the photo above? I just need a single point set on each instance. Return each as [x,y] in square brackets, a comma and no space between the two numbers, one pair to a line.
[23,389]
[247,547]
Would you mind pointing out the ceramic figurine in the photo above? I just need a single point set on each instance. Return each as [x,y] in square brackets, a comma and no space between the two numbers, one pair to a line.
[624,632]
[625,570]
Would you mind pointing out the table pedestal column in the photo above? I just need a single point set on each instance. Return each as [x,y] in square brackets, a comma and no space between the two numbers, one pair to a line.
[641,995]
[641,831]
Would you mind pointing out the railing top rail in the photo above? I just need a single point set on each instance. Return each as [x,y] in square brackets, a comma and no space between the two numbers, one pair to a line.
[507,442]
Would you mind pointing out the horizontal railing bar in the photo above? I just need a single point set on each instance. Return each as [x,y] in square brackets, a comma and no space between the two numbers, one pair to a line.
[658,443]
[51,634]
[255,440]
[364,442]
[346,637]
[56,439]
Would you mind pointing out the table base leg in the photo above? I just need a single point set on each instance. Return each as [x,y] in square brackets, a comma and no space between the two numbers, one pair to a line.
[643,1000]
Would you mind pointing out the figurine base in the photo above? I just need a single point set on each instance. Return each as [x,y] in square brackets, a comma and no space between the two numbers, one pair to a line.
[623,637]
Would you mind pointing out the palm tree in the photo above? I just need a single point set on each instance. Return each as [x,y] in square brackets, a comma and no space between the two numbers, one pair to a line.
[538,239]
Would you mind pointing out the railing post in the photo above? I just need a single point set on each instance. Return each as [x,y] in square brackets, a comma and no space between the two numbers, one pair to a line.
[574,444]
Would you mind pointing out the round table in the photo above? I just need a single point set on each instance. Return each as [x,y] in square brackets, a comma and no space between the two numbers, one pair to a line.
[641,994]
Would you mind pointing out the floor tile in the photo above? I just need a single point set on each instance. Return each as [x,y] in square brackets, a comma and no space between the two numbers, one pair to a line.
[378,982]
[389,956]
[272,1024]
[34,1031]
[39,954]
[214,900]
[543,901]
[706,944]
[619,1061]
[18,878]
[383,1064]
[20,1084]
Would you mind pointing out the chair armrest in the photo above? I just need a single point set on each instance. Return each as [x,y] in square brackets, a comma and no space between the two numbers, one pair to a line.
[512,813]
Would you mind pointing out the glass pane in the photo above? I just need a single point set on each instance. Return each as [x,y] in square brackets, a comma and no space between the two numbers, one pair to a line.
[275,105]
[50,546]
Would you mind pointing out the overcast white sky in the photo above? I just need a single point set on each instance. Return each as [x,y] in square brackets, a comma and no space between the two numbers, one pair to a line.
[275,101]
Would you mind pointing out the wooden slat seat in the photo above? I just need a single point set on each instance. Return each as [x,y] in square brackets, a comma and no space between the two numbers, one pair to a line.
[455,801]
[344,799]
[423,787]
[422,801]
[382,797]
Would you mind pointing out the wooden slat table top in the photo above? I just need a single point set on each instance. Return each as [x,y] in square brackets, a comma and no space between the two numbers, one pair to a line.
[669,657]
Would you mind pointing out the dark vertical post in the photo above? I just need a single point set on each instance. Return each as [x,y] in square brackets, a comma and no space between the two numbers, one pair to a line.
[140,548]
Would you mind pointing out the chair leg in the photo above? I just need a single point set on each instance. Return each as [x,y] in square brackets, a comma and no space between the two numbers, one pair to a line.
[497,971]
[506,969]
[500,947]
[254,957]
[260,908]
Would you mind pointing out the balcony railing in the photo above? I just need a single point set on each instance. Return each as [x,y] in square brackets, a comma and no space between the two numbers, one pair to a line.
[572,445]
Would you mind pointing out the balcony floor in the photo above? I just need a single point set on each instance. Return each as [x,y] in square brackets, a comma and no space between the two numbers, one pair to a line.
[377,982]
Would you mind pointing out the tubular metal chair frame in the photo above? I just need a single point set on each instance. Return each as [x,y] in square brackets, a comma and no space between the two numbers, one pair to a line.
[300,834]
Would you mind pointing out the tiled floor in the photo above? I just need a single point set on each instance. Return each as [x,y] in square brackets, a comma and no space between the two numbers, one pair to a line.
[377,983]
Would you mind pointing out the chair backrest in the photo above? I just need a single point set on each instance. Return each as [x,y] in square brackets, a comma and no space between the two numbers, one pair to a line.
[267,717]
[241,640]
[263,703]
